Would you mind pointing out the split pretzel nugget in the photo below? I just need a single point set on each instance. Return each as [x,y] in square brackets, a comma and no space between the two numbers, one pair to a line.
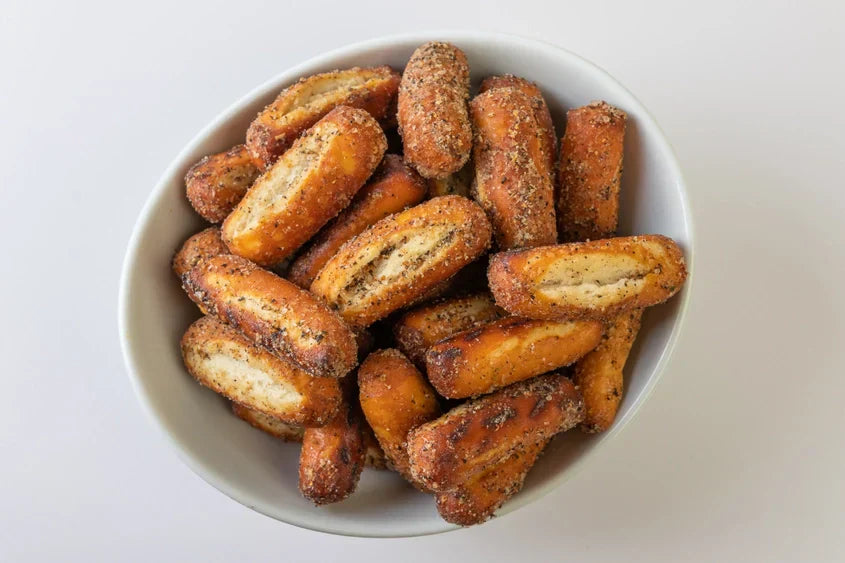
[482,433]
[483,359]
[222,359]
[301,105]
[309,185]
[417,330]
[590,172]
[393,188]
[197,249]
[598,279]
[513,183]
[432,110]
[216,184]
[274,313]
[269,424]
[400,258]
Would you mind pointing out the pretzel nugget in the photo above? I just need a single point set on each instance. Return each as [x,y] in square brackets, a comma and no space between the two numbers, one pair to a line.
[590,172]
[269,424]
[417,330]
[275,314]
[395,398]
[476,500]
[538,104]
[197,249]
[512,179]
[309,185]
[481,433]
[503,352]
[332,458]
[401,257]
[393,188]
[222,359]
[432,110]
[599,373]
[301,105]
[216,184]
[598,279]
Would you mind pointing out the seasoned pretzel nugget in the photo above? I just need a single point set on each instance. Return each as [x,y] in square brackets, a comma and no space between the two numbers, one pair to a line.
[301,105]
[309,185]
[432,110]
[454,184]
[332,458]
[197,249]
[395,398]
[512,179]
[393,188]
[222,359]
[538,104]
[216,184]
[401,257]
[269,424]
[599,373]
[274,313]
[500,353]
[419,328]
[590,172]
[476,500]
[598,279]
[481,433]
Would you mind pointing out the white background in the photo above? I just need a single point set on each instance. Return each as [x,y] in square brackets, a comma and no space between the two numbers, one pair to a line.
[738,455]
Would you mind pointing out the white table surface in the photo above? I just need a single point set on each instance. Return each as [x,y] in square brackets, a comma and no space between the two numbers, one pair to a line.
[738,455]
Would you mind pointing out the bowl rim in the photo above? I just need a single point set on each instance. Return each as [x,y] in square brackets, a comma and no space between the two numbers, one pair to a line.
[209,474]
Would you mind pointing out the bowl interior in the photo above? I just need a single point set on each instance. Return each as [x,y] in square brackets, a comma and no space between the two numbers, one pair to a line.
[260,471]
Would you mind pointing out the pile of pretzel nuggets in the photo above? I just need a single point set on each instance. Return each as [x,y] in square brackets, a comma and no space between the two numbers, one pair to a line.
[439,302]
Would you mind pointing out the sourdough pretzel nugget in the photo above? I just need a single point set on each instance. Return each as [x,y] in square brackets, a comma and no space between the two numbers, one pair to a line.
[483,494]
[197,249]
[393,188]
[599,373]
[417,330]
[598,279]
[275,314]
[222,359]
[309,185]
[395,398]
[481,433]
[301,105]
[590,172]
[216,184]
[513,183]
[269,424]
[506,351]
[402,257]
[432,110]
[538,104]
[332,458]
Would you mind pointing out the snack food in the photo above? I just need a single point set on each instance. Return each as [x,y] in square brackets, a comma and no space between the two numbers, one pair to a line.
[481,433]
[418,329]
[513,183]
[457,183]
[332,458]
[401,257]
[489,357]
[306,187]
[598,279]
[222,359]
[393,188]
[302,104]
[395,399]
[590,172]
[198,248]
[274,313]
[216,183]
[599,373]
[269,424]
[432,110]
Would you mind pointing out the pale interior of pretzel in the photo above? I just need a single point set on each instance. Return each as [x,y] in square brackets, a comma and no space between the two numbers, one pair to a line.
[320,92]
[526,339]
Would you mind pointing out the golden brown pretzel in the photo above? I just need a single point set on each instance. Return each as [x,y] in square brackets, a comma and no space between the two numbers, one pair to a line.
[269,424]
[216,184]
[197,249]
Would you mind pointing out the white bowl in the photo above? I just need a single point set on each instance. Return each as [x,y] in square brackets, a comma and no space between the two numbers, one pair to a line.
[260,471]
